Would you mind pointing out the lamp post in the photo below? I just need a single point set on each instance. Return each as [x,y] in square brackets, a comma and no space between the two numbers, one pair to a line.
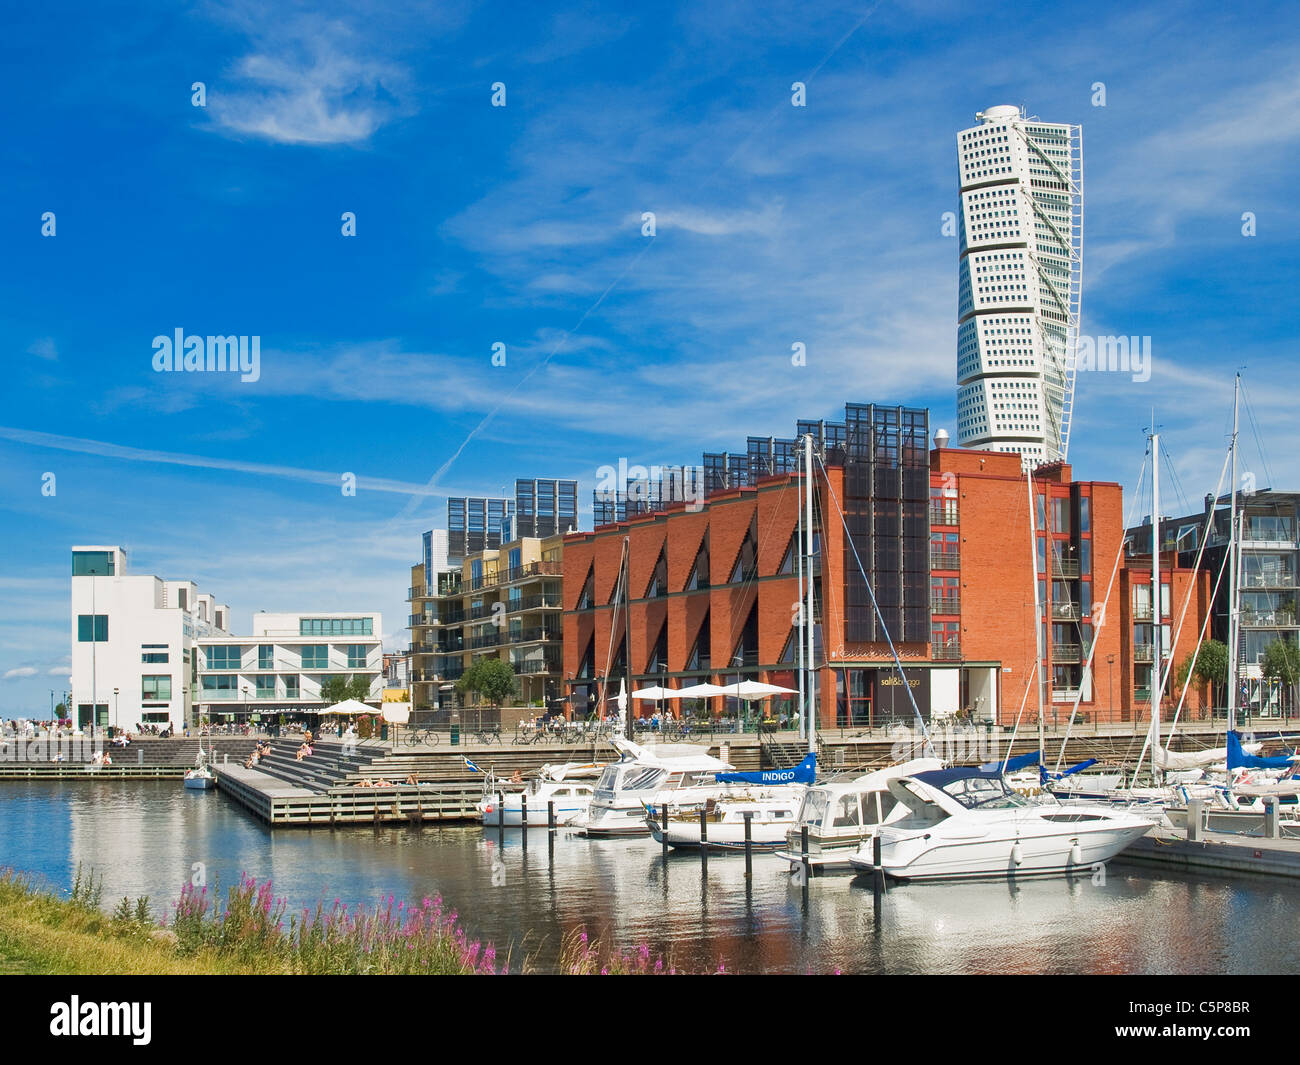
[115,690]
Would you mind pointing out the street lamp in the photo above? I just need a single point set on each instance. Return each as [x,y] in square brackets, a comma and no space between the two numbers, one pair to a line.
[115,690]
[1110,661]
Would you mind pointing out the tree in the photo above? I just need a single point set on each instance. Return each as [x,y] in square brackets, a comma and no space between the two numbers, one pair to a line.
[491,678]
[1209,666]
[339,689]
[1282,662]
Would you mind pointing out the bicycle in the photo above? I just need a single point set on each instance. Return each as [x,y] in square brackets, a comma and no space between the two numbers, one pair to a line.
[416,736]
[488,734]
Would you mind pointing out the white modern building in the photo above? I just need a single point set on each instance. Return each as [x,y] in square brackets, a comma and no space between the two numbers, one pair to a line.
[1019,283]
[133,638]
[281,667]
[148,651]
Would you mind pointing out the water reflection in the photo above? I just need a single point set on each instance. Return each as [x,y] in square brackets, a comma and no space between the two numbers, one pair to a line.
[526,893]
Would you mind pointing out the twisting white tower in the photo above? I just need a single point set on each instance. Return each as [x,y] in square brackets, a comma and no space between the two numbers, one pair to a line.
[1019,282]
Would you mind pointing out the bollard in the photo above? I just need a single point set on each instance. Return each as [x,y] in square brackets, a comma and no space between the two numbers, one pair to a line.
[1194,819]
[749,844]
[550,813]
[1271,827]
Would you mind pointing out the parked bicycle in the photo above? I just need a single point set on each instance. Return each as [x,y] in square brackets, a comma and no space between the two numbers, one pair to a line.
[416,736]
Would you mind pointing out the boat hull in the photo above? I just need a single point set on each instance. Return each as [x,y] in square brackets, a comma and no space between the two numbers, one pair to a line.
[1001,853]
[200,783]
[721,837]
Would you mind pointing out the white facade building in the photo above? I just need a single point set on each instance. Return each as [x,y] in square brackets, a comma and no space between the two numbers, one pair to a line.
[133,642]
[1019,283]
[281,667]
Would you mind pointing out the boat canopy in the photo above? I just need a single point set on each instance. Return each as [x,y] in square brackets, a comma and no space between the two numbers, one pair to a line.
[1069,772]
[1022,761]
[804,773]
[1239,759]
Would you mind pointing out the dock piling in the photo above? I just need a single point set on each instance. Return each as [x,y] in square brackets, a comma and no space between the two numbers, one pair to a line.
[1195,820]
[1272,829]
[878,876]
[749,844]
[550,814]
[523,798]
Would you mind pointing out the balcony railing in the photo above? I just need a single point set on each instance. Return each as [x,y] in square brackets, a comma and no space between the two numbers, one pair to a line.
[533,602]
[946,651]
[417,591]
[536,569]
[1272,577]
[945,604]
[538,666]
[945,559]
[1067,652]
[1144,652]
[1065,567]
[1066,611]
[943,514]
[491,639]
[534,634]
[1141,611]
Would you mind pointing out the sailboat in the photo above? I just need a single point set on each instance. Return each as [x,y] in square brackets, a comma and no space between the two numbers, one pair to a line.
[202,777]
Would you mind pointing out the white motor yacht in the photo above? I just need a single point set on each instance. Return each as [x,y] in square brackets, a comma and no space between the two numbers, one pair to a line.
[840,815]
[563,786]
[967,823]
[724,824]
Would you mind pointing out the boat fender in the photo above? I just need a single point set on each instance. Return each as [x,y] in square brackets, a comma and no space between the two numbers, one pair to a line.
[1017,856]
[1076,853]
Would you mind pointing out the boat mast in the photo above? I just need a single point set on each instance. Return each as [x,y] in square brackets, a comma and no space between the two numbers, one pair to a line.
[1038,607]
[798,636]
[625,579]
[808,529]
[1156,682]
[1233,553]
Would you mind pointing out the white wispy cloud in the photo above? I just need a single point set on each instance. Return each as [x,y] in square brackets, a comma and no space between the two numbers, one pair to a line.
[20,671]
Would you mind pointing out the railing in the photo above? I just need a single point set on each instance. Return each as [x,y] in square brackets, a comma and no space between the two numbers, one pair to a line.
[943,514]
[948,651]
[542,666]
[1274,619]
[1144,652]
[1065,567]
[533,602]
[1142,612]
[417,591]
[536,569]
[945,559]
[1068,611]
[492,639]
[1067,652]
[1269,578]
[945,604]
[534,634]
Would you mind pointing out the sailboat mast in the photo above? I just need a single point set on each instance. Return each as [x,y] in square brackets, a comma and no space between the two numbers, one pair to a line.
[1156,683]
[1038,606]
[1233,550]
[808,528]
[799,633]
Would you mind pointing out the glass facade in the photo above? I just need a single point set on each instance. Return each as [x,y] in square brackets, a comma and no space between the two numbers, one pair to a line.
[92,563]
[92,628]
[156,688]
[336,627]
[224,656]
[315,657]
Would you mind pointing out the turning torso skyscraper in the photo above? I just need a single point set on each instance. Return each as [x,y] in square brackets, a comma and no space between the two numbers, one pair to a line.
[1021,265]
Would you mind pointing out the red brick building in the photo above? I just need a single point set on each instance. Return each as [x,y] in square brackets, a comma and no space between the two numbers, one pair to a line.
[944,535]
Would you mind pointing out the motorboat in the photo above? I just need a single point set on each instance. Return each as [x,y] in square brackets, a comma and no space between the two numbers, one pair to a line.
[840,816]
[683,776]
[967,824]
[723,826]
[570,797]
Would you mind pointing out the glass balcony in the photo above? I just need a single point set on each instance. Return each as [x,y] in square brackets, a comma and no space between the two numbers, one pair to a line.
[1066,611]
[1067,652]
[945,604]
[946,651]
[945,559]
[1144,652]
[943,513]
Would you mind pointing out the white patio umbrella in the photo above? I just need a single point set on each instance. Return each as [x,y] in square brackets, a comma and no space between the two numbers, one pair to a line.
[700,691]
[755,689]
[658,694]
[347,708]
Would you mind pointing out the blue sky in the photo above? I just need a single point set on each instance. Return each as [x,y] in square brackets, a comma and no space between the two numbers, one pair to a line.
[522,225]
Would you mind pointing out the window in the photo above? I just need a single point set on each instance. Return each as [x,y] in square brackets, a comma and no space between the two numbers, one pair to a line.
[356,656]
[335,627]
[154,658]
[700,571]
[92,563]
[156,688]
[516,559]
[1085,514]
[219,687]
[291,686]
[224,656]
[92,628]
[266,686]
[315,657]
[265,656]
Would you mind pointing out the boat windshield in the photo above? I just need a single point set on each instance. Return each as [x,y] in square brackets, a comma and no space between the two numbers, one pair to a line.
[989,793]
[814,806]
[645,779]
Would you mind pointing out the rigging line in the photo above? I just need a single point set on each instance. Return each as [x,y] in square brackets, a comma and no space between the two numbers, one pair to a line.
[1254,428]
[1223,567]
[1033,676]
[613,629]
[875,606]
[1177,481]
[1105,613]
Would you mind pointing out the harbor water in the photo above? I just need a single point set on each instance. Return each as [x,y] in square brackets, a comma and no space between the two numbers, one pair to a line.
[148,838]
